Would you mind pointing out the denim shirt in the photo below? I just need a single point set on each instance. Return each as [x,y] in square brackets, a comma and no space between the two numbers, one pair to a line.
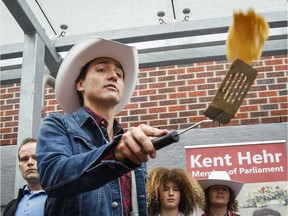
[69,153]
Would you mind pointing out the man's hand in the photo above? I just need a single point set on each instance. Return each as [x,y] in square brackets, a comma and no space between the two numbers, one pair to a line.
[136,144]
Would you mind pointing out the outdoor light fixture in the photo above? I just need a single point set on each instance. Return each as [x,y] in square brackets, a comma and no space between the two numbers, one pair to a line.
[161,14]
[185,11]
[64,27]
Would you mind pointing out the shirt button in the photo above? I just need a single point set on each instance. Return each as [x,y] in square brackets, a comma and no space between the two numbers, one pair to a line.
[114,204]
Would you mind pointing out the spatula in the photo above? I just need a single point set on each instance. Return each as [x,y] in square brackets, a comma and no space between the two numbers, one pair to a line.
[226,102]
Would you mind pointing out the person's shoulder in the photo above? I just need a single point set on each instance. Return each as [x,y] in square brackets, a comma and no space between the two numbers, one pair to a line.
[54,116]
[11,207]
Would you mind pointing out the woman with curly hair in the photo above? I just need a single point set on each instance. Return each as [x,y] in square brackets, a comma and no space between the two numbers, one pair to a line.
[173,193]
[220,194]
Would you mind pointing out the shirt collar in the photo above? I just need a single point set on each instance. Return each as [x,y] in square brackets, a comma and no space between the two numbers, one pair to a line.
[28,191]
[102,122]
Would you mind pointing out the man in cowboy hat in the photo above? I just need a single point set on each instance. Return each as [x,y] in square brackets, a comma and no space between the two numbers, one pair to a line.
[85,158]
[220,193]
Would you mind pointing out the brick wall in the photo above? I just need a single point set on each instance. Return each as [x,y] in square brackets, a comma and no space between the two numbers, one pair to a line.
[175,97]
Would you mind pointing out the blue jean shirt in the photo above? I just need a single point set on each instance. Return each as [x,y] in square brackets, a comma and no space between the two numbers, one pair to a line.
[76,179]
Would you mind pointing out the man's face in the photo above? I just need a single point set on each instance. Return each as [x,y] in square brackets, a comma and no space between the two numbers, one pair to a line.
[219,195]
[28,163]
[104,83]
[170,196]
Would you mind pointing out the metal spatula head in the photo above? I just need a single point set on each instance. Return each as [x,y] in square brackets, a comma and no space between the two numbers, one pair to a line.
[231,93]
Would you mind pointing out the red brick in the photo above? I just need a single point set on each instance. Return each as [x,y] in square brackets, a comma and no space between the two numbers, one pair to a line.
[271,120]
[248,108]
[176,83]
[279,112]
[158,110]
[283,105]
[141,86]
[273,62]
[5,130]
[204,74]
[168,102]
[5,96]
[157,85]
[197,119]
[15,89]
[11,112]
[196,81]
[147,80]
[167,78]
[147,92]
[267,94]
[138,112]
[186,88]
[249,121]
[158,122]
[258,101]
[240,115]
[157,73]
[195,69]
[132,106]
[207,86]
[147,69]
[277,99]
[148,104]
[281,67]
[264,69]
[197,93]
[275,74]
[186,76]
[178,95]
[176,71]
[177,108]
[6,107]
[166,90]
[167,115]
[214,67]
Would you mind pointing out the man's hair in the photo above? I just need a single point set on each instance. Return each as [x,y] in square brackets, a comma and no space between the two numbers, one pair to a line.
[266,212]
[191,193]
[231,206]
[82,76]
[24,142]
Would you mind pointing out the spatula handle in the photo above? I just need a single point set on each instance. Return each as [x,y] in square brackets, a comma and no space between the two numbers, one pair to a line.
[161,142]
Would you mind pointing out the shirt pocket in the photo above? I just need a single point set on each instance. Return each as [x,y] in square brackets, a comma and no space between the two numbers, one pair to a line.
[82,144]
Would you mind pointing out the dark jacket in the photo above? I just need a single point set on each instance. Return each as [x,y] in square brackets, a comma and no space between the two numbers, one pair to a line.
[11,208]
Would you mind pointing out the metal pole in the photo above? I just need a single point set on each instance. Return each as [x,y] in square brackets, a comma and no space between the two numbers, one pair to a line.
[30,93]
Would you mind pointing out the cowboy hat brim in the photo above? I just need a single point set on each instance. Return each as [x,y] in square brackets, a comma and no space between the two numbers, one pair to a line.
[83,52]
[235,186]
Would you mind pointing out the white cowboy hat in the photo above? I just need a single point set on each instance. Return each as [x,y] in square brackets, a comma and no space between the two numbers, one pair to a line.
[82,53]
[221,178]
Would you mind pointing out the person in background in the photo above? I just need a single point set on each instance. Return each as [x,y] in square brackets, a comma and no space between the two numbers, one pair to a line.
[173,193]
[266,212]
[88,164]
[220,193]
[31,198]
